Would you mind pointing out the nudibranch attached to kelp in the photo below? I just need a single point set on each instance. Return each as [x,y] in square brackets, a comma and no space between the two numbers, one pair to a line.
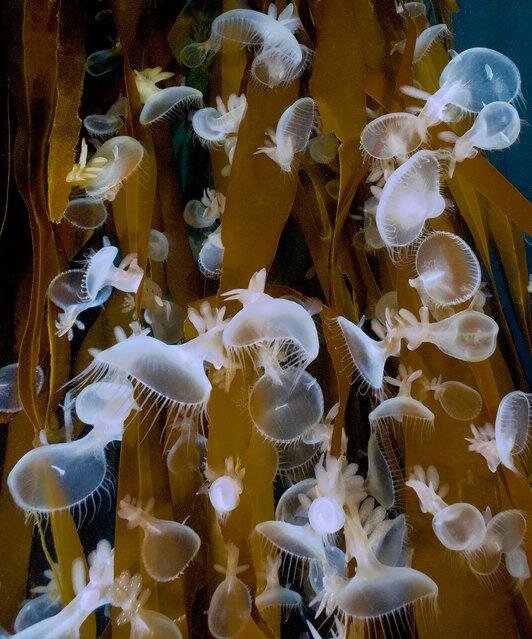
[114,161]
[62,476]
[448,270]
[230,605]
[274,596]
[225,489]
[458,400]
[264,321]
[279,58]
[9,394]
[201,214]
[46,604]
[291,134]
[168,547]
[214,125]
[509,438]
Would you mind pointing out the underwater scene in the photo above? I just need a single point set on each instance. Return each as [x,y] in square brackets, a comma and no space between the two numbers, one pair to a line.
[265,344]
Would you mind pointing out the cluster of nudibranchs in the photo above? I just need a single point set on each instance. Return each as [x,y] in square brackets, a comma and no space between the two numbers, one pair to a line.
[336,527]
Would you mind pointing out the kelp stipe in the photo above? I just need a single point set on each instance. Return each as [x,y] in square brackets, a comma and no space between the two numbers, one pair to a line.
[103,175]
[230,605]
[409,198]
[274,595]
[127,594]
[286,405]
[9,395]
[86,212]
[292,133]
[272,322]
[66,292]
[458,400]
[402,409]
[448,270]
[100,272]
[168,547]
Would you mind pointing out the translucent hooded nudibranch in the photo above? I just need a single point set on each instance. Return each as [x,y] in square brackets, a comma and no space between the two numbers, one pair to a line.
[127,594]
[61,476]
[103,175]
[225,489]
[509,438]
[377,593]
[46,604]
[471,80]
[214,125]
[168,547]
[448,270]
[285,404]
[158,246]
[211,255]
[403,408]
[393,135]
[274,596]
[100,272]
[89,596]
[85,212]
[230,606]
[201,214]
[9,395]
[66,291]
[458,400]
[101,127]
[468,335]
[279,58]
[496,127]
[277,323]
[171,375]
[410,197]
[292,133]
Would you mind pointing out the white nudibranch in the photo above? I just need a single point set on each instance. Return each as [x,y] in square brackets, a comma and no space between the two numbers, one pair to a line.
[292,133]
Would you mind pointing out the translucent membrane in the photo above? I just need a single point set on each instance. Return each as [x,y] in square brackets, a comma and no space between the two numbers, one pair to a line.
[274,595]
[484,76]
[427,38]
[459,527]
[149,624]
[123,156]
[496,127]
[35,610]
[167,105]
[173,374]
[224,494]
[289,507]
[286,407]
[274,321]
[157,246]
[101,272]
[86,212]
[292,133]
[230,606]
[387,301]
[212,125]
[324,148]
[512,424]
[367,355]
[448,270]
[168,547]
[458,400]
[59,476]
[101,127]
[211,255]
[103,62]
[410,196]
[391,135]
[105,402]
[379,480]
[9,396]
[299,542]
